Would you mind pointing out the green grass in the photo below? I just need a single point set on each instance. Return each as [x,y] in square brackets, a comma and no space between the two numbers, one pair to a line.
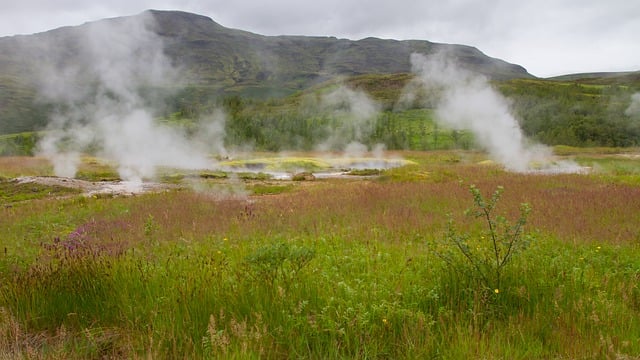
[270,189]
[278,164]
[564,150]
[18,144]
[624,168]
[96,169]
[12,191]
[335,269]
[365,172]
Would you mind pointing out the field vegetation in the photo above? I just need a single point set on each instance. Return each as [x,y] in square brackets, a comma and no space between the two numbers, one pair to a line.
[577,112]
[332,268]
[446,257]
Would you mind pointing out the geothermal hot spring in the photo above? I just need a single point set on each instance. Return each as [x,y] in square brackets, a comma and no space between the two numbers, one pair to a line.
[118,122]
[246,166]
[287,168]
[264,168]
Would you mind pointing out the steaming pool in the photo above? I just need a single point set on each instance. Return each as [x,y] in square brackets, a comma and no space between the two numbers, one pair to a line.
[224,171]
[229,175]
[290,168]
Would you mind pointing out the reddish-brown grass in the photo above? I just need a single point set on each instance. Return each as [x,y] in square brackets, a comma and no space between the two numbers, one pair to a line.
[14,166]
[570,207]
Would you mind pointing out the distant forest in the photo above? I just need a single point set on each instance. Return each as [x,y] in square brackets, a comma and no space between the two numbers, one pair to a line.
[550,112]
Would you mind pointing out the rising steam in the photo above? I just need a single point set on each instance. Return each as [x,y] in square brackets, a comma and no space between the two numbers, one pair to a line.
[634,107]
[466,100]
[105,107]
[354,114]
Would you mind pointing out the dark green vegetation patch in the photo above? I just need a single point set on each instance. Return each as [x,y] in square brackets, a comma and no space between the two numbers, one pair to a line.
[14,190]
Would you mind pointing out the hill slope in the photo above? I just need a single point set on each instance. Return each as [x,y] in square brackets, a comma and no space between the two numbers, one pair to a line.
[211,56]
[293,60]
[601,78]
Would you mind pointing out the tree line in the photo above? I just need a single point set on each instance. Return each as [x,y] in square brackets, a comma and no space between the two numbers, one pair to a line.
[552,113]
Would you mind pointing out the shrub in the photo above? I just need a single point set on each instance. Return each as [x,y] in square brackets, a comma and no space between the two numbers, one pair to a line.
[485,257]
[279,262]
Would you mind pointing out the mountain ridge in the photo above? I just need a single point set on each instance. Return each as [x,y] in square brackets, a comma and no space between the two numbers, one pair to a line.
[202,32]
[220,59]
[601,77]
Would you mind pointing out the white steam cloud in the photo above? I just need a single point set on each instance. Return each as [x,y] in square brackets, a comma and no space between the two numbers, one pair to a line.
[634,107]
[354,114]
[466,100]
[103,108]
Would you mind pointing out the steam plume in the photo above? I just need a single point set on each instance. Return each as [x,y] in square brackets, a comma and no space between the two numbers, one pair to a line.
[634,107]
[466,100]
[355,114]
[103,92]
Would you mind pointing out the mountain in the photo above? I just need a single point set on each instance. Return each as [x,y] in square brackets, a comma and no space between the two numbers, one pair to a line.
[601,78]
[215,57]
[296,61]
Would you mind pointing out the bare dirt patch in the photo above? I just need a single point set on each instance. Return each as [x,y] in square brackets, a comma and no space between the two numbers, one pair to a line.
[91,188]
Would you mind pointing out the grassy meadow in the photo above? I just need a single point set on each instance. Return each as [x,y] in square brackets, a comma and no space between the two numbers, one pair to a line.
[384,267]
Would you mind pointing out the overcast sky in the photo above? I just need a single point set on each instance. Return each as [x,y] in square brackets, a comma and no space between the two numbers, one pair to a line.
[548,37]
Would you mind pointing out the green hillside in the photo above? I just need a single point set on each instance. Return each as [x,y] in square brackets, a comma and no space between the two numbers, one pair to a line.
[213,61]
[552,112]
[583,112]
[265,85]
[601,77]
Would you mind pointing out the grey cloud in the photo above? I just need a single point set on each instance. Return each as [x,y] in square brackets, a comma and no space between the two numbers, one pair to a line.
[548,37]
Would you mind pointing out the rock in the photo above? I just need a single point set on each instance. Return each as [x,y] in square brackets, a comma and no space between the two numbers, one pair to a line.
[303,176]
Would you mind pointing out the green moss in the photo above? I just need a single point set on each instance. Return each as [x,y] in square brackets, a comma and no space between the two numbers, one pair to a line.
[365,172]
[213,175]
[253,176]
[14,191]
[270,189]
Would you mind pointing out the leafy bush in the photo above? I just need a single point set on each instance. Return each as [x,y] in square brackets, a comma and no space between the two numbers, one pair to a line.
[485,258]
[279,262]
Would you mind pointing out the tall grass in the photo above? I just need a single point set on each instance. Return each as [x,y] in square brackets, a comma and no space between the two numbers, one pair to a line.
[14,166]
[340,269]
